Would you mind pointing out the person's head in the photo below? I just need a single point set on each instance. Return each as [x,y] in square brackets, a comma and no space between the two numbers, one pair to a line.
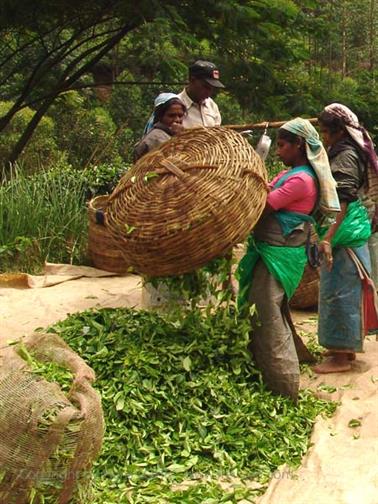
[169,112]
[291,148]
[203,80]
[338,121]
[332,128]
[162,103]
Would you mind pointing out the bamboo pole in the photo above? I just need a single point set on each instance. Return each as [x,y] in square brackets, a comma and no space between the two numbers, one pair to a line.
[263,125]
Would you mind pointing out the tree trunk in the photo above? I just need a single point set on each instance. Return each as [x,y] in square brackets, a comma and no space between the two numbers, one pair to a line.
[62,86]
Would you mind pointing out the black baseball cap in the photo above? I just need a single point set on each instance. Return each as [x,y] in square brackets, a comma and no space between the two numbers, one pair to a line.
[207,71]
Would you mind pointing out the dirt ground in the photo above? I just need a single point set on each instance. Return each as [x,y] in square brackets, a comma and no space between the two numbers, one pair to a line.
[340,467]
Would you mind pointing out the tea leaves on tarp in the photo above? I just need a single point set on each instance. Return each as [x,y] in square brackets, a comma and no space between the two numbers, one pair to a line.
[183,401]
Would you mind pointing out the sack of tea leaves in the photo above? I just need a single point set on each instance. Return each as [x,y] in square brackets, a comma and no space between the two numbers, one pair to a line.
[51,425]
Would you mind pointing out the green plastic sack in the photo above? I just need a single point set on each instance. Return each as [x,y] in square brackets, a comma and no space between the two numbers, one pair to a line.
[286,264]
[355,230]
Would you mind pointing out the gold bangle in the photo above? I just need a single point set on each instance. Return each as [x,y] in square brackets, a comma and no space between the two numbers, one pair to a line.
[326,241]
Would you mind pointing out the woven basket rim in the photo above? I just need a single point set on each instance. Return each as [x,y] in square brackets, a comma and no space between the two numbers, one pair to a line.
[97,199]
[188,201]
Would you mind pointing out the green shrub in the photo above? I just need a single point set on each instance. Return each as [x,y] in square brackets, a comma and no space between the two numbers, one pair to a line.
[230,109]
[102,178]
[42,149]
[130,108]
[85,131]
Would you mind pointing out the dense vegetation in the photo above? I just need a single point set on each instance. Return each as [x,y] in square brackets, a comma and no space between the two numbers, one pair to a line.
[82,75]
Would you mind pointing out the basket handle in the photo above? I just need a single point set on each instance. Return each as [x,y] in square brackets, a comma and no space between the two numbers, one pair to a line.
[170,167]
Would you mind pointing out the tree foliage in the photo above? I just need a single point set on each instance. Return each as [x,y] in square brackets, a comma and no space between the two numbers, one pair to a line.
[278,58]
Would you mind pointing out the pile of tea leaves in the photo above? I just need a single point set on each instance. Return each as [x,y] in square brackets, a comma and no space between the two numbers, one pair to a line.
[184,406]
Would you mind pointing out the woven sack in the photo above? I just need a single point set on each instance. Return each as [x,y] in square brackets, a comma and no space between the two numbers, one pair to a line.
[187,202]
[49,439]
[373,185]
[102,250]
[307,293]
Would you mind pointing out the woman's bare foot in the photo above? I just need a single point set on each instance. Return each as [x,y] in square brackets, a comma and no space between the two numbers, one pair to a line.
[330,353]
[336,363]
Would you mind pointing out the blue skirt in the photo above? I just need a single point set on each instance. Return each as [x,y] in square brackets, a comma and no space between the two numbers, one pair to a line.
[341,324]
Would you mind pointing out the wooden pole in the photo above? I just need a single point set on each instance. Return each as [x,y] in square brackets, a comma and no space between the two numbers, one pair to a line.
[263,125]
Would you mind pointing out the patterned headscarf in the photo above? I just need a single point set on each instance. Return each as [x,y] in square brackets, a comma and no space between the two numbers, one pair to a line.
[316,154]
[355,130]
[159,100]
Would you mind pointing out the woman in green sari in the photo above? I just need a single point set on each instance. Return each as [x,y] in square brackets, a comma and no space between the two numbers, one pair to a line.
[274,263]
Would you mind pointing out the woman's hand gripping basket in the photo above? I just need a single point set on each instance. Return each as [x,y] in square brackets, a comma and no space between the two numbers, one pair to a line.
[187,202]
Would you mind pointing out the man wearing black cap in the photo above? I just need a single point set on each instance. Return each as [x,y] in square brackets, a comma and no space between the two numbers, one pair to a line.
[201,108]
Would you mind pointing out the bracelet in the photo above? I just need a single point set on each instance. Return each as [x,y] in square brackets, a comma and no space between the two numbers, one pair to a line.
[326,241]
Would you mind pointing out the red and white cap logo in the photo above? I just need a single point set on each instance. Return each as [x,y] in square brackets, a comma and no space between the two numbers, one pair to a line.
[215,74]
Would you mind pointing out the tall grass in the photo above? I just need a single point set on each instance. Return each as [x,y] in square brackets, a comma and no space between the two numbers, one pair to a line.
[42,217]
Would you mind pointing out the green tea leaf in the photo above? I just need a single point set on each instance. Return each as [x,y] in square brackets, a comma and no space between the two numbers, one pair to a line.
[354,422]
[187,363]
[120,404]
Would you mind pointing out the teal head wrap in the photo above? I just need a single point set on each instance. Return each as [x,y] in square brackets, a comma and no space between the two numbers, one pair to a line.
[317,156]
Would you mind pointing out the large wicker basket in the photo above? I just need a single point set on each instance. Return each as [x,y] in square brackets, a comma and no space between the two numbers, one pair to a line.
[307,293]
[188,202]
[102,250]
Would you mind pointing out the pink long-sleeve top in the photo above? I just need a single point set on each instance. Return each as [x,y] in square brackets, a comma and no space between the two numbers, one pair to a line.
[297,194]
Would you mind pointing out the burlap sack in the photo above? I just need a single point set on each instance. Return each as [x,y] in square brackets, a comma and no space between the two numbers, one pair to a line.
[48,439]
